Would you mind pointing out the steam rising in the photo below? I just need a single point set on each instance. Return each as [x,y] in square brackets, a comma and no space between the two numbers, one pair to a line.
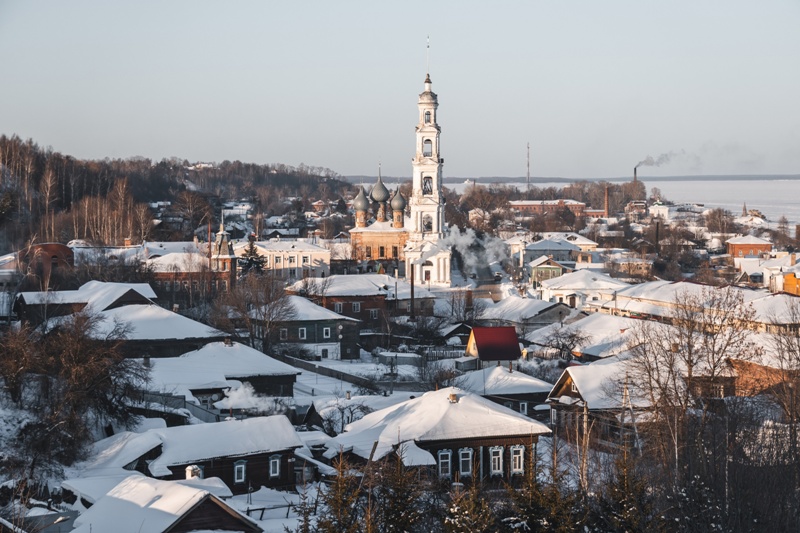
[475,252]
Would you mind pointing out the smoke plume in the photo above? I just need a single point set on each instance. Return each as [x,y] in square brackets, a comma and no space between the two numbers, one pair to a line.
[663,159]
[475,252]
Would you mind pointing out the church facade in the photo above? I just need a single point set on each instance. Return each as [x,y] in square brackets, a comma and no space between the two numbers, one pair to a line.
[415,246]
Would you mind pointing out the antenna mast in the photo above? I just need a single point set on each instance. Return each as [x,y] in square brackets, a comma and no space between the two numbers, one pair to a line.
[528,181]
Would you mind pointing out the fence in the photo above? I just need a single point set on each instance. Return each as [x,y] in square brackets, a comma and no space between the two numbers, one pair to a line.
[173,401]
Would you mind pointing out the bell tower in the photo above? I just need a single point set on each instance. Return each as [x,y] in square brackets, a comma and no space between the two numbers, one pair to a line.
[427,201]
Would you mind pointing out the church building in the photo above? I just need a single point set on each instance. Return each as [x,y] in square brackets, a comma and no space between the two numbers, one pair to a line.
[412,246]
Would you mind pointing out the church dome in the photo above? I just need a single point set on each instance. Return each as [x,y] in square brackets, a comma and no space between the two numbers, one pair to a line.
[379,192]
[398,202]
[360,202]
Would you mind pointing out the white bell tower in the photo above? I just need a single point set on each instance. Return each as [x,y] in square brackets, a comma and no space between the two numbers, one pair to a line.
[427,201]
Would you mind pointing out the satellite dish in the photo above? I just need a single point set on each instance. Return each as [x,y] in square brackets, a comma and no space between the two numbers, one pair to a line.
[215,397]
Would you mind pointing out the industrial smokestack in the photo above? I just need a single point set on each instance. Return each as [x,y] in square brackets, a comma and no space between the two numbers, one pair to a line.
[605,200]
[634,174]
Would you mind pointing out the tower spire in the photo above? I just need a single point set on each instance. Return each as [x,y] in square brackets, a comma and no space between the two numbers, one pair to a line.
[428,58]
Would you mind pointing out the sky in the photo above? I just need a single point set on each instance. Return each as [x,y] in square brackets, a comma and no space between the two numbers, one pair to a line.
[594,87]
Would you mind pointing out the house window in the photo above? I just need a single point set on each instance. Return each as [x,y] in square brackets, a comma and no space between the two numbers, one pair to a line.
[292,272]
[177,286]
[523,408]
[167,286]
[574,388]
[223,285]
[518,459]
[444,463]
[373,314]
[306,260]
[465,462]
[369,251]
[292,259]
[381,251]
[427,117]
[337,307]
[326,333]
[324,353]
[278,260]
[301,333]
[275,466]
[239,471]
[394,252]
[553,416]
[356,307]
[186,285]
[284,334]
[496,460]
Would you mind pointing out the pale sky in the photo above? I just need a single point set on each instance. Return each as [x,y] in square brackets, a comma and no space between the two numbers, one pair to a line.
[594,86]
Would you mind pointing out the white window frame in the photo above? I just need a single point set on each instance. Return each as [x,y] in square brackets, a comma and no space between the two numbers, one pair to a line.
[553,416]
[326,333]
[337,307]
[240,471]
[301,333]
[523,408]
[306,260]
[465,454]
[275,466]
[373,314]
[518,459]
[356,307]
[496,461]
[445,463]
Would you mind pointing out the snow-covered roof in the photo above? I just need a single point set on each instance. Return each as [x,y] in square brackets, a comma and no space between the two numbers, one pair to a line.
[747,239]
[97,295]
[584,280]
[601,383]
[151,322]
[552,244]
[263,247]
[179,262]
[368,285]
[140,503]
[306,310]
[156,249]
[605,335]
[515,309]
[213,365]
[499,380]
[432,417]
[387,226]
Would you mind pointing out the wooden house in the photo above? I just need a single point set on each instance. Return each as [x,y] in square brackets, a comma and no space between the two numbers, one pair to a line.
[452,434]
[139,504]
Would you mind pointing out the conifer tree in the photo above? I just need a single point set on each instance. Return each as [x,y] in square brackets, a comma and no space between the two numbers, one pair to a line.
[396,496]
[251,261]
[469,512]
[340,501]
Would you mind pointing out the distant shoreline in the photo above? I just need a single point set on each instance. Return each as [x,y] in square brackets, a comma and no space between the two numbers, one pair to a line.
[550,180]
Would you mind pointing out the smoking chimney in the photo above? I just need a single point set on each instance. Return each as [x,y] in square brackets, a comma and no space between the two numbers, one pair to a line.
[634,174]
[605,201]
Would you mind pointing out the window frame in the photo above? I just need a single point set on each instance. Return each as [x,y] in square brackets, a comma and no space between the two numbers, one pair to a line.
[337,307]
[240,471]
[465,454]
[496,461]
[274,466]
[356,307]
[283,334]
[326,333]
[301,333]
[373,314]
[523,408]
[445,457]
[517,459]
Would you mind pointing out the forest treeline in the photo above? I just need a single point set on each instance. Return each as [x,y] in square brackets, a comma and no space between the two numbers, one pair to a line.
[48,196]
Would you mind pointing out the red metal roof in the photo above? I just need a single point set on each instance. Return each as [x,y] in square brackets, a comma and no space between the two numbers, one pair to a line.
[497,344]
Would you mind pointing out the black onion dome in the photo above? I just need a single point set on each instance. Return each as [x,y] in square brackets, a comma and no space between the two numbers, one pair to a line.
[398,202]
[360,202]
[379,192]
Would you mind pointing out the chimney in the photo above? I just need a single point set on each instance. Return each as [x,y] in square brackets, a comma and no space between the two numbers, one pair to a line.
[347,395]
[127,241]
[146,361]
[634,174]
[605,201]
[228,341]
[193,471]
[453,398]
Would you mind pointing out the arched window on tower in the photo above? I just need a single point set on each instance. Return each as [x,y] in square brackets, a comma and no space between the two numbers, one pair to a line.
[427,117]
[427,185]
[427,223]
[427,148]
